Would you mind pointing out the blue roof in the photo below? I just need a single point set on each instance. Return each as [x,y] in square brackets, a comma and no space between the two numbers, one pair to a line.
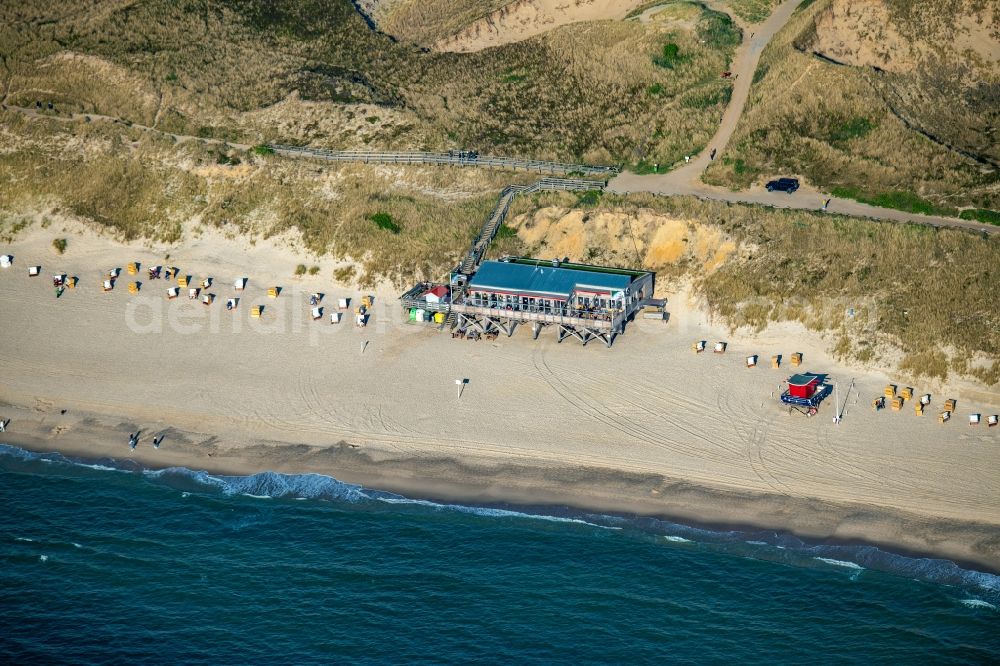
[803,379]
[544,280]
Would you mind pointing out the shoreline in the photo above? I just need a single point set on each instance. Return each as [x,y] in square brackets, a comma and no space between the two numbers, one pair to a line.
[552,490]
[645,428]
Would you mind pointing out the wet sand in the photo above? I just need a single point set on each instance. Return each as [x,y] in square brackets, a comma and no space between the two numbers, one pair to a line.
[647,427]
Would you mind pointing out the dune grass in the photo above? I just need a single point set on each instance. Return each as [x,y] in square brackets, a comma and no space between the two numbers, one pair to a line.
[919,294]
[312,71]
[158,189]
[894,139]
[426,21]
[752,11]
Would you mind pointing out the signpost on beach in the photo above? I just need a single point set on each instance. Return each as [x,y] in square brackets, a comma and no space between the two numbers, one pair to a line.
[460,383]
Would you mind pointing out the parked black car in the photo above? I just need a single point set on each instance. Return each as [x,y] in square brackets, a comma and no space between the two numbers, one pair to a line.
[783,185]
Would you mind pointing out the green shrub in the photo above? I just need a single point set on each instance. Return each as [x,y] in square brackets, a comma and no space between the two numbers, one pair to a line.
[313,270]
[60,245]
[261,149]
[718,31]
[300,269]
[900,200]
[855,128]
[506,232]
[385,221]
[514,76]
[739,166]
[670,57]
[982,215]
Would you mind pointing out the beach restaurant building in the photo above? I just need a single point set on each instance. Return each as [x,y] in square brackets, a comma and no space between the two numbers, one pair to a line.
[552,287]
[580,300]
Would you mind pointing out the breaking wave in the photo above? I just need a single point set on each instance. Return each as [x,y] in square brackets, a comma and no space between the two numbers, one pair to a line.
[763,545]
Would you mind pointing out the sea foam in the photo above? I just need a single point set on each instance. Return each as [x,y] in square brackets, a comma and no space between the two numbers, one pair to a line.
[839,563]
[978,603]
[782,547]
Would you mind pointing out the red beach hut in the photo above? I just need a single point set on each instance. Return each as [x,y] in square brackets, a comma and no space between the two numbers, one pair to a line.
[802,385]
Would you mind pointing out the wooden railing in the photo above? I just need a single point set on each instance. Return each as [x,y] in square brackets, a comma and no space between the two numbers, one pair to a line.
[455,158]
[499,214]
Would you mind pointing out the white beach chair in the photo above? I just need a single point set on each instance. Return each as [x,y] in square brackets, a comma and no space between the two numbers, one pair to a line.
[974,419]
[6,261]
[34,271]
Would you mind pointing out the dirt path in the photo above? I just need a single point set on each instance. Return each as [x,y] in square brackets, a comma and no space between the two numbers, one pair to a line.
[686,180]
[743,67]
[90,117]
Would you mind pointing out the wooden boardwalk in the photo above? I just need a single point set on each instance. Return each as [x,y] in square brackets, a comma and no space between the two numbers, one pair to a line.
[456,158]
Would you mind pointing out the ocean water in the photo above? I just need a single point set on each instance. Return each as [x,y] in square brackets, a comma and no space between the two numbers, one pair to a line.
[100,563]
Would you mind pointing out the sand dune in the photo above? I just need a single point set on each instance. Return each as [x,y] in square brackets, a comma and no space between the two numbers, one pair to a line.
[526,18]
[292,394]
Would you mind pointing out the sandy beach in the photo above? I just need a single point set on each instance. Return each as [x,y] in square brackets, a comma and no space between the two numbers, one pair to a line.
[646,427]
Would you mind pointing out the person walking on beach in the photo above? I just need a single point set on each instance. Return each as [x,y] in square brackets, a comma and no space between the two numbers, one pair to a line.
[712,155]
[133,441]
[3,425]
[156,441]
